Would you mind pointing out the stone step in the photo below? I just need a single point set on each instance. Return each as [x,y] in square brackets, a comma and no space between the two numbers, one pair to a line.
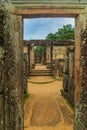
[40,72]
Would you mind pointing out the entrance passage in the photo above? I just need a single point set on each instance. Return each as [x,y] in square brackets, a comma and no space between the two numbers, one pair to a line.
[46,109]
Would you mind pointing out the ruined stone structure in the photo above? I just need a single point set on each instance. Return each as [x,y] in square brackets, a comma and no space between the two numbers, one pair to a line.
[50,53]
[46,43]
[59,50]
[11,89]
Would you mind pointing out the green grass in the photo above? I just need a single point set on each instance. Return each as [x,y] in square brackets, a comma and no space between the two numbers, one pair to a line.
[26,96]
[67,101]
[57,78]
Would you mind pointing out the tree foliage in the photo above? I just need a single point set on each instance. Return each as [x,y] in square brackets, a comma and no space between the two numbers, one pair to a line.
[65,33]
[40,49]
[51,36]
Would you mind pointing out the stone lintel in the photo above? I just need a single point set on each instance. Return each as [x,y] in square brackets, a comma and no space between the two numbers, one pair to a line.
[48,12]
[50,42]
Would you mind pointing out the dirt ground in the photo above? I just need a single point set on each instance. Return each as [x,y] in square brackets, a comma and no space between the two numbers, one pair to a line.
[46,109]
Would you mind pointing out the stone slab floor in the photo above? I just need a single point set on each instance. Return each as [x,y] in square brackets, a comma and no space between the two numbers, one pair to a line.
[46,109]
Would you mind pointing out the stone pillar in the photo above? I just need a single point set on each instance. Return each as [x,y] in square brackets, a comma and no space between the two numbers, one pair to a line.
[32,56]
[66,71]
[25,66]
[71,76]
[44,55]
[28,59]
[71,63]
[13,73]
[42,58]
[48,54]
[81,73]
[51,54]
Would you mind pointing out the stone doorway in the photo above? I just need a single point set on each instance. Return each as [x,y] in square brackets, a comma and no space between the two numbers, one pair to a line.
[40,54]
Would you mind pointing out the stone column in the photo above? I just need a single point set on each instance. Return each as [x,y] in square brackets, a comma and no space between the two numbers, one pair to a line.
[71,63]
[13,73]
[25,72]
[48,54]
[81,73]
[51,54]
[32,56]
[66,71]
[42,58]
[28,57]
[71,76]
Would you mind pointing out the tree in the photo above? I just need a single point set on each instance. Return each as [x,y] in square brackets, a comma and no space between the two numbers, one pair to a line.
[40,49]
[51,36]
[65,33]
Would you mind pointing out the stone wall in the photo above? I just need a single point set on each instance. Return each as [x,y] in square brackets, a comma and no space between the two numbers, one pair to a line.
[81,73]
[68,77]
[58,52]
[57,68]
[13,73]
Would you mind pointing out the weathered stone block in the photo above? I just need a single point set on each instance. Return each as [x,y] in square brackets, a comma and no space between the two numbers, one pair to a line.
[71,86]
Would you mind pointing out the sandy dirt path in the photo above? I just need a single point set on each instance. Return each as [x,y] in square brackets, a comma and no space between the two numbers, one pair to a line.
[46,109]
